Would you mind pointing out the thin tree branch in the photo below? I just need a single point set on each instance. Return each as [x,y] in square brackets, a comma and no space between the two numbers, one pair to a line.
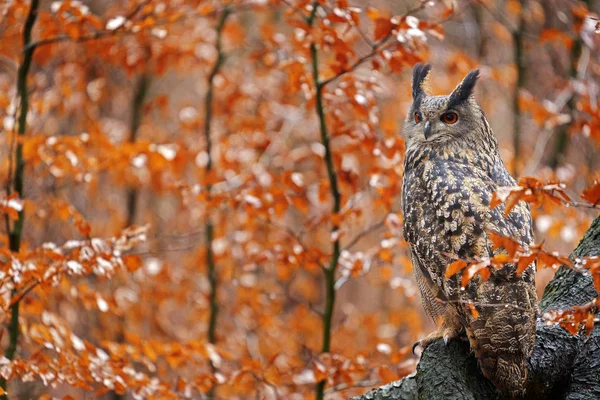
[358,62]
[16,233]
[296,9]
[498,16]
[136,119]
[375,47]
[209,229]
[336,206]
[518,58]
[344,386]
[362,234]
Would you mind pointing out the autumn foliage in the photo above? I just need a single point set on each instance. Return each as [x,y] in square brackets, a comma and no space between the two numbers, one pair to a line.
[201,198]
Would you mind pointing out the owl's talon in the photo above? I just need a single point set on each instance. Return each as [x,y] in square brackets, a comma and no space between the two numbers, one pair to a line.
[445,333]
[415,346]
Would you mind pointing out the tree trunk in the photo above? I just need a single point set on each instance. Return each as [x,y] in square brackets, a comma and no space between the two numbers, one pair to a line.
[562,366]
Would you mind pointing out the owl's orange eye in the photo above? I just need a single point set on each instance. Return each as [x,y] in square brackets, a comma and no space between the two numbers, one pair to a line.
[417,117]
[449,118]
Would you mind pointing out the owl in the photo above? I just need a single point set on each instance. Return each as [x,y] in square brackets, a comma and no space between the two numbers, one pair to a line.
[451,170]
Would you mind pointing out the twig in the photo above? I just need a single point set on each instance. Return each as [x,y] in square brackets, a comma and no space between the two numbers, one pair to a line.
[364,233]
[296,9]
[97,35]
[538,152]
[81,39]
[364,36]
[375,47]
[290,297]
[357,63]
[136,10]
[482,305]
[120,32]
[344,386]
[581,205]
[577,204]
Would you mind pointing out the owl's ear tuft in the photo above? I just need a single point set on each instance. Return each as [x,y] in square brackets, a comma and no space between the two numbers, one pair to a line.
[464,90]
[420,74]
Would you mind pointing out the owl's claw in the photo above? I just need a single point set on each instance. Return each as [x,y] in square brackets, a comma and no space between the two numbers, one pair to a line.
[414,347]
[446,339]
[444,332]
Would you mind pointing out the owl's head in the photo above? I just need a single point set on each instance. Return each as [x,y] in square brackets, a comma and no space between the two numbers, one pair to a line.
[436,120]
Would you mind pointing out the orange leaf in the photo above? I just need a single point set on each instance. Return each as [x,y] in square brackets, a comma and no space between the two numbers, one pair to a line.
[524,262]
[448,12]
[597,282]
[132,262]
[455,267]
[550,260]
[589,323]
[502,242]
[512,201]
[373,13]
[480,268]
[592,193]
[83,227]
[385,255]
[550,35]
[506,194]
[383,27]
[320,371]
[571,327]
[473,310]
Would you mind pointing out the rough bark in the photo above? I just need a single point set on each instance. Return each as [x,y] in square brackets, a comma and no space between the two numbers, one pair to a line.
[562,366]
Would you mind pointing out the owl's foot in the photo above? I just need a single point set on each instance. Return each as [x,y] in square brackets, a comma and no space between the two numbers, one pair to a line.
[444,332]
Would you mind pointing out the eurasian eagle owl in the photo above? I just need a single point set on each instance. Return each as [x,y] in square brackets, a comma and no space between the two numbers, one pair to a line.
[451,170]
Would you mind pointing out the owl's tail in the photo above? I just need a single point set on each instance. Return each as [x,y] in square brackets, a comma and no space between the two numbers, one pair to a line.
[503,334]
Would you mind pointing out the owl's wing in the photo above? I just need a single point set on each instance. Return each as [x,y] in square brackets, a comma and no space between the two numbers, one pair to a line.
[432,296]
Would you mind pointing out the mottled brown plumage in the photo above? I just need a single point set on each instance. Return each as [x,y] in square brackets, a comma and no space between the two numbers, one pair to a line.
[452,168]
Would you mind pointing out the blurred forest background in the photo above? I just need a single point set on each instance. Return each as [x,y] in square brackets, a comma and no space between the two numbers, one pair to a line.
[201,199]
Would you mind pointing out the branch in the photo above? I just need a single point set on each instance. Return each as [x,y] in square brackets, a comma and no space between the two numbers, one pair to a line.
[336,207]
[209,229]
[518,56]
[136,119]
[581,205]
[344,386]
[15,234]
[375,47]
[296,9]
[364,233]
[358,62]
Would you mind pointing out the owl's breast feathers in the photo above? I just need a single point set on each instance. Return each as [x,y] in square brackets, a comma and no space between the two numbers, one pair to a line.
[447,213]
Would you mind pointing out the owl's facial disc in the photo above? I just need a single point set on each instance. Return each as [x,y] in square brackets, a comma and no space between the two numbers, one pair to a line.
[439,119]
[434,121]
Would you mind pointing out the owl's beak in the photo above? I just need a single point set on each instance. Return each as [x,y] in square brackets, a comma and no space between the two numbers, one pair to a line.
[427,129]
